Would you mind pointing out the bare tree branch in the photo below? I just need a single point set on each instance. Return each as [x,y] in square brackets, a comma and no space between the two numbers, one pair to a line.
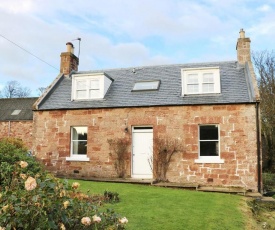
[14,89]
[41,90]
[264,63]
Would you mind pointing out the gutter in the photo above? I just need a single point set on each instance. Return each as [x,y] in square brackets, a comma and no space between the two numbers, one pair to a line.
[259,166]
[143,106]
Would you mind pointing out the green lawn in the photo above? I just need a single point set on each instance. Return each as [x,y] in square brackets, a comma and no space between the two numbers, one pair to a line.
[148,207]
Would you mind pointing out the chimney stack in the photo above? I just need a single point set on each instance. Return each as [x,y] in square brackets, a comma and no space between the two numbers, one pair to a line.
[68,61]
[243,48]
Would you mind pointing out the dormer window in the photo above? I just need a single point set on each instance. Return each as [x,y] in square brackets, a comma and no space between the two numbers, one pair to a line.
[146,85]
[91,86]
[200,80]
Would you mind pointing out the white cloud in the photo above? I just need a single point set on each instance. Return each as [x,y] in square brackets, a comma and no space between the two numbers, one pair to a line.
[17,6]
[102,49]
[122,33]
[264,8]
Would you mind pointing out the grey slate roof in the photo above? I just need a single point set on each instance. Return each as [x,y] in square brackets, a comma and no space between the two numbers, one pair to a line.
[8,105]
[235,88]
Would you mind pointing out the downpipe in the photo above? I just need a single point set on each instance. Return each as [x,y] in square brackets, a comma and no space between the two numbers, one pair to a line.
[259,166]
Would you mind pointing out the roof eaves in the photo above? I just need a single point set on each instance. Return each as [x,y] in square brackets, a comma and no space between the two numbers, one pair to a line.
[148,106]
[106,75]
[101,73]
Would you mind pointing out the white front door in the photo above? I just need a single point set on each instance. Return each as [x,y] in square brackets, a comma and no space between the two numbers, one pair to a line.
[142,152]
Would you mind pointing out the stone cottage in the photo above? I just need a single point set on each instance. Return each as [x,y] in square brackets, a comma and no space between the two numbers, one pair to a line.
[211,108]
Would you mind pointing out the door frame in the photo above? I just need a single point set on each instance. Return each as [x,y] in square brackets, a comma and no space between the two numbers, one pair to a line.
[143,128]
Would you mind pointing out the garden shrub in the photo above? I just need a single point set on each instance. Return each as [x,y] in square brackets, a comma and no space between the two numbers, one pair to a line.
[164,150]
[111,197]
[38,200]
[13,150]
[119,151]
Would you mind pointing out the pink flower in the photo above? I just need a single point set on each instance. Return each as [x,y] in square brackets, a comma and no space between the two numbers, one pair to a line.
[23,176]
[30,184]
[123,220]
[75,185]
[5,208]
[62,226]
[23,164]
[62,193]
[86,221]
[66,204]
[96,219]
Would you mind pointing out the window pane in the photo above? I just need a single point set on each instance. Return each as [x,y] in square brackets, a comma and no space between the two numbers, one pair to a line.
[208,88]
[192,79]
[80,94]
[93,93]
[209,132]
[79,147]
[146,85]
[209,148]
[81,84]
[94,84]
[208,78]
[79,133]
[192,88]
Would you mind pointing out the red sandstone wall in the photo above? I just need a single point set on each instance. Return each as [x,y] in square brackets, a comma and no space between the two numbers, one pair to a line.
[237,141]
[17,129]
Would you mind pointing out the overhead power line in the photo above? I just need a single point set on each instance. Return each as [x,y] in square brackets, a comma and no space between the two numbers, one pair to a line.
[29,52]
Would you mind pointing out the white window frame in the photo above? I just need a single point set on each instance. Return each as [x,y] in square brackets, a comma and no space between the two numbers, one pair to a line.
[200,72]
[77,157]
[209,159]
[87,89]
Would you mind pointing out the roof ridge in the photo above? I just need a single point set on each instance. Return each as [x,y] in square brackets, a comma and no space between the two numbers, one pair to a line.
[161,65]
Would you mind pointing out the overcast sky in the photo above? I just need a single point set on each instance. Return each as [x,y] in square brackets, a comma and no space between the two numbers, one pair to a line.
[125,33]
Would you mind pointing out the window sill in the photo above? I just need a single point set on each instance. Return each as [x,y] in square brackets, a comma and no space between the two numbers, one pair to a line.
[78,158]
[201,94]
[210,161]
[90,99]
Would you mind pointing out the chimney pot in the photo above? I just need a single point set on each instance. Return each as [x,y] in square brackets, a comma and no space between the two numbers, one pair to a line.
[70,47]
[242,33]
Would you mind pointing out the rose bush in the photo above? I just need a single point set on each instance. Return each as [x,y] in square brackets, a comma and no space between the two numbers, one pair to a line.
[30,200]
[14,153]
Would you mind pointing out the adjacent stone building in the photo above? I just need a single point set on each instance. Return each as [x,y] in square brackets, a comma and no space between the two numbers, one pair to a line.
[16,118]
[212,109]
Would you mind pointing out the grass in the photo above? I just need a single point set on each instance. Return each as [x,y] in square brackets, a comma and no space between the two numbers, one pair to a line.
[148,207]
